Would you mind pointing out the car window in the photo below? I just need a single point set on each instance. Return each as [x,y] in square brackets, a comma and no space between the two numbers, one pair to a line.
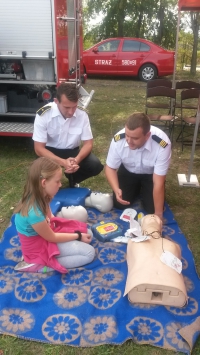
[134,46]
[144,47]
[110,46]
[131,46]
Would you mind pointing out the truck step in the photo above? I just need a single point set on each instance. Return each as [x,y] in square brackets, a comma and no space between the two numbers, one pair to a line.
[16,129]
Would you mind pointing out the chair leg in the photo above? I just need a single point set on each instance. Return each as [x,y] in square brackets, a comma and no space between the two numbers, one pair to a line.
[177,139]
[171,130]
[182,129]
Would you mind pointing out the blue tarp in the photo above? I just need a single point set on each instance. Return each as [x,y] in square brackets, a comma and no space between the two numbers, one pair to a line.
[86,307]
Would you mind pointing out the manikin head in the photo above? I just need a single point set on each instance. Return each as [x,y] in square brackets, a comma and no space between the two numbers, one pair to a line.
[78,213]
[102,202]
[151,223]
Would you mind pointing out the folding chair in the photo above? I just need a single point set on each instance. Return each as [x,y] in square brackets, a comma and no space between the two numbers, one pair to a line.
[183,85]
[160,98]
[159,82]
[189,106]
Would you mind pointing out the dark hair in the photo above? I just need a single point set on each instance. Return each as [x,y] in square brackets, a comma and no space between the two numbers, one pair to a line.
[69,90]
[41,168]
[138,119]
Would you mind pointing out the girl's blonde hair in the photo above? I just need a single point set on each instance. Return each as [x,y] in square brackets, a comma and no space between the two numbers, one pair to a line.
[33,195]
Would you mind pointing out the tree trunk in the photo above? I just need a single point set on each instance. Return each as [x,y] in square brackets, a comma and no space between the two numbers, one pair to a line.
[137,34]
[195,19]
[161,15]
[120,17]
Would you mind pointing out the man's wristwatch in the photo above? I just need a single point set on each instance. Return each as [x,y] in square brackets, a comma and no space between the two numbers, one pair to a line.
[79,235]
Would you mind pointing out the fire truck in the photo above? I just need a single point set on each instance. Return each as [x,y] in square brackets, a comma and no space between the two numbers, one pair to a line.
[41,45]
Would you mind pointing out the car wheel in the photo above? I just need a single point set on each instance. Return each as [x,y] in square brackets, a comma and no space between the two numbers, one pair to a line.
[84,69]
[147,72]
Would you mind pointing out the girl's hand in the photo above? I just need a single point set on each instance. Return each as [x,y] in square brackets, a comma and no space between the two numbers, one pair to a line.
[86,238]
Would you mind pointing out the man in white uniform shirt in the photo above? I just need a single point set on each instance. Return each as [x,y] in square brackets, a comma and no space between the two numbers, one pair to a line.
[137,162]
[59,129]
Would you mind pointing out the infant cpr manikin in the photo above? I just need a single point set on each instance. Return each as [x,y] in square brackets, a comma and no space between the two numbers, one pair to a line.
[150,280]
[78,213]
[102,202]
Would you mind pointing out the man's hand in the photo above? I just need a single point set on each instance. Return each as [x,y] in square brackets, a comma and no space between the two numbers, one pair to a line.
[118,194]
[111,175]
[160,215]
[70,165]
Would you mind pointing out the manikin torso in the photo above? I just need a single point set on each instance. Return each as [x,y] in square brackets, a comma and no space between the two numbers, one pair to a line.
[145,269]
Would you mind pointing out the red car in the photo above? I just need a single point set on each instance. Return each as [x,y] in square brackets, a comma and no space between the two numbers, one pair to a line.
[127,56]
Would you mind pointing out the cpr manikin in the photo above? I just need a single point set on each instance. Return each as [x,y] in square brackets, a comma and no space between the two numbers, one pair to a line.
[102,202]
[74,212]
[149,279]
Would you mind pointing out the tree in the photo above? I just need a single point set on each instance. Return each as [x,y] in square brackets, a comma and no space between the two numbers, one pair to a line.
[154,20]
[121,13]
[163,26]
[184,49]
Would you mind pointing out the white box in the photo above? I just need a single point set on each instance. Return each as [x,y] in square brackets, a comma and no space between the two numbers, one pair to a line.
[3,104]
[193,182]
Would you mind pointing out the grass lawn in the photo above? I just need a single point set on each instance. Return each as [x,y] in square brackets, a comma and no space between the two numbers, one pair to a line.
[113,101]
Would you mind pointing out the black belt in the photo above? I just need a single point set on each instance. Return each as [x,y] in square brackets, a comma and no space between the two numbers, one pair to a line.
[63,153]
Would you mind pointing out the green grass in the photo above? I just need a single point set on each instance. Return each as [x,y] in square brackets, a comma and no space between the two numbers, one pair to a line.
[114,99]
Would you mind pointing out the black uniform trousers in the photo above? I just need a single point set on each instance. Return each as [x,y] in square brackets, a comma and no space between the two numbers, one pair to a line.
[133,186]
[90,166]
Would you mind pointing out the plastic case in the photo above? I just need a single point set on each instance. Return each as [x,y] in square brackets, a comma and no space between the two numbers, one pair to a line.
[105,231]
[69,197]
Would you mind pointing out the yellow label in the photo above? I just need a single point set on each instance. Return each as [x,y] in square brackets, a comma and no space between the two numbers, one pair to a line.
[107,228]
[140,215]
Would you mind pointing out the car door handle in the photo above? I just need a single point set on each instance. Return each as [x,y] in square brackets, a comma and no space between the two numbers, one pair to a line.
[114,55]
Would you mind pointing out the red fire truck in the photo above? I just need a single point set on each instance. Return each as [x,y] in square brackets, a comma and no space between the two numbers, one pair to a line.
[41,46]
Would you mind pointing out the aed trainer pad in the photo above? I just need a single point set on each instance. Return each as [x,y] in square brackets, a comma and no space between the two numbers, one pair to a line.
[105,231]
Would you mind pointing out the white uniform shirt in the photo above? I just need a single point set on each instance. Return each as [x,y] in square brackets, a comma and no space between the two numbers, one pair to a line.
[51,128]
[150,158]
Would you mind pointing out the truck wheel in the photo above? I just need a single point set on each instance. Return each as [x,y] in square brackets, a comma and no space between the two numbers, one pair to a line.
[147,72]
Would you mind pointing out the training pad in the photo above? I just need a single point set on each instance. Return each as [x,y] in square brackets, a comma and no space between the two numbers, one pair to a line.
[86,307]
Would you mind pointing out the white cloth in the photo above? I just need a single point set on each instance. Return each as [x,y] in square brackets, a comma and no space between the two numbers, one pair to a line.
[51,128]
[150,158]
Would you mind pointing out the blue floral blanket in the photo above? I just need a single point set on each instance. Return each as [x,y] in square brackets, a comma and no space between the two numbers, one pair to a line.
[86,307]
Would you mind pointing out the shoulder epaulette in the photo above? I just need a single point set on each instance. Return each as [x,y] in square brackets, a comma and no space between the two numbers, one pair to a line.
[82,108]
[117,137]
[160,141]
[43,109]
